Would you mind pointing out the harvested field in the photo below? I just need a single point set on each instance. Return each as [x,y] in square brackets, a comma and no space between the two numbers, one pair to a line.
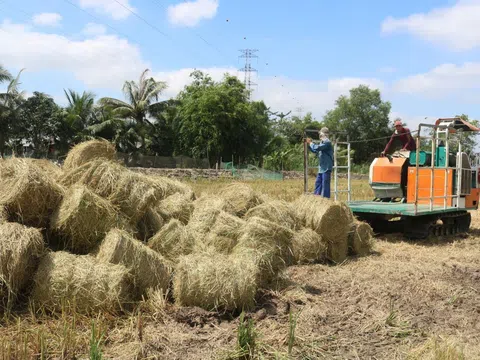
[398,300]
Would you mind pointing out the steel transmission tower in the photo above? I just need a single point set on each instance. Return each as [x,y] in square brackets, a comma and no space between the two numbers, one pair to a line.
[248,55]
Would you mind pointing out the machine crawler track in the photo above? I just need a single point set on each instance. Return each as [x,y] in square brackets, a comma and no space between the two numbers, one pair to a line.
[443,225]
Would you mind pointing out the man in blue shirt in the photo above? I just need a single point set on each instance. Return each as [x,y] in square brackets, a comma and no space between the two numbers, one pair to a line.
[325,155]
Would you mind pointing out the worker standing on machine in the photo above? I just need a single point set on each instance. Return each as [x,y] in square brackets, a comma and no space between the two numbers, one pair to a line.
[325,165]
[403,134]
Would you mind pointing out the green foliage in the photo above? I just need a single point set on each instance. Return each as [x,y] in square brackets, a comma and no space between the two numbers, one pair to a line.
[246,338]
[362,116]
[96,341]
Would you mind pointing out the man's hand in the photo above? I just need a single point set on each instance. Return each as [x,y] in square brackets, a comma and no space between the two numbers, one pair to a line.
[308,140]
[382,154]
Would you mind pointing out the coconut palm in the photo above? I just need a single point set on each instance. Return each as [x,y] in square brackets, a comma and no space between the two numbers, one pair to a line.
[80,113]
[140,97]
[10,102]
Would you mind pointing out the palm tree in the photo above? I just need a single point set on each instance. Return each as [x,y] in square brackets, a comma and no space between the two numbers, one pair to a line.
[80,113]
[10,103]
[140,97]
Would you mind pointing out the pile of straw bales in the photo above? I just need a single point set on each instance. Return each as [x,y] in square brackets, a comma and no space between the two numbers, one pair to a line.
[98,237]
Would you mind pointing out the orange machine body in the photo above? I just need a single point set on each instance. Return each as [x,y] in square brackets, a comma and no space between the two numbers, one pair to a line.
[386,172]
[425,185]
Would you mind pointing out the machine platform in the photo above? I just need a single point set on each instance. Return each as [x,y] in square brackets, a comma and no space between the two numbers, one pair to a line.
[399,209]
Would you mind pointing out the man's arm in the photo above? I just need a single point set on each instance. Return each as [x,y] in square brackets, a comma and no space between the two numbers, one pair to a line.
[389,145]
[409,138]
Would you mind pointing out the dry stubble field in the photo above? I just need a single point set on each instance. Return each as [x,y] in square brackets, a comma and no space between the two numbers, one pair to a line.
[406,301]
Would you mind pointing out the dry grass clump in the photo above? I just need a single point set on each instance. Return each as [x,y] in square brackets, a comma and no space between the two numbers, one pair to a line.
[224,234]
[148,268]
[360,239]
[328,218]
[174,186]
[308,247]
[20,249]
[89,150]
[83,219]
[205,212]
[81,282]
[437,349]
[215,281]
[150,224]
[240,198]
[177,206]
[269,244]
[173,241]
[28,193]
[277,211]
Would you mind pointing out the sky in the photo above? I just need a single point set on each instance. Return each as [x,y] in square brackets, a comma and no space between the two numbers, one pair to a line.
[424,56]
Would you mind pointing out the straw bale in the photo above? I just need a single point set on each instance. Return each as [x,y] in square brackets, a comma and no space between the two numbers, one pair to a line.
[240,198]
[53,170]
[270,246]
[173,240]
[89,150]
[28,193]
[174,186]
[150,224]
[277,211]
[360,239]
[148,268]
[177,206]
[225,233]
[3,215]
[20,250]
[81,282]
[83,219]
[132,192]
[308,247]
[205,212]
[215,281]
[330,219]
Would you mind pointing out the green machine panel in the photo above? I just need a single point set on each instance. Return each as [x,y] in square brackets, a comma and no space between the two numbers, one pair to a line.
[425,158]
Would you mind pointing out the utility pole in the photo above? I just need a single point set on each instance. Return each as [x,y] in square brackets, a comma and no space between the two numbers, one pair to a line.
[248,54]
[299,110]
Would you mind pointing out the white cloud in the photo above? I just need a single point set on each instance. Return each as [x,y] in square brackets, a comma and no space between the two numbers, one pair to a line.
[93,29]
[101,62]
[47,19]
[444,80]
[109,7]
[456,27]
[192,12]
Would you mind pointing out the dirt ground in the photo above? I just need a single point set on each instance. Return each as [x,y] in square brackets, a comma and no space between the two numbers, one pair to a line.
[408,300]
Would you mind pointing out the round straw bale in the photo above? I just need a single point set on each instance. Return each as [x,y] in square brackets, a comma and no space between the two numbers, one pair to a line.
[150,224]
[360,239]
[278,211]
[54,171]
[225,232]
[3,215]
[308,247]
[148,268]
[270,246]
[177,206]
[81,282]
[89,150]
[83,219]
[205,212]
[240,198]
[28,193]
[20,250]
[175,187]
[132,192]
[215,281]
[173,240]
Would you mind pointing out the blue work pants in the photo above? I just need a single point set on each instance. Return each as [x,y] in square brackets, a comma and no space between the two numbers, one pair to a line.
[322,184]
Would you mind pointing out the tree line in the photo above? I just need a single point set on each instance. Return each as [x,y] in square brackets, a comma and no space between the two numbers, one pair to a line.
[207,119]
